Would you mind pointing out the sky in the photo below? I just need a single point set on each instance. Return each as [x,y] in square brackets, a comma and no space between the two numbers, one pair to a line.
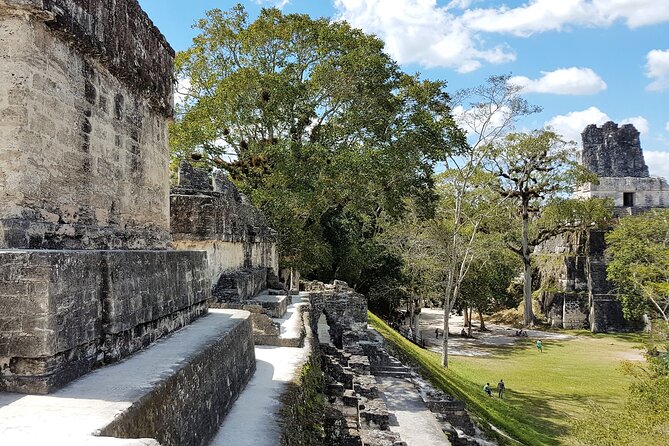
[583,61]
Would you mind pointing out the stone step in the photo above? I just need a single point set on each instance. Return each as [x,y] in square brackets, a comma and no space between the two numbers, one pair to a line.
[393,373]
[175,392]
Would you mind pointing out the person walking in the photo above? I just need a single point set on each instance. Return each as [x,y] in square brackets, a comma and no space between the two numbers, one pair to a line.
[500,388]
[487,390]
[436,333]
[540,346]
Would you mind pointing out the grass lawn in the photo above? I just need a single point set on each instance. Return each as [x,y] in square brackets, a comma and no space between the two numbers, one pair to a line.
[545,391]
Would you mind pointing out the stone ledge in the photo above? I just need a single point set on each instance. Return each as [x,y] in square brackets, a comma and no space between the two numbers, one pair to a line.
[64,312]
[176,392]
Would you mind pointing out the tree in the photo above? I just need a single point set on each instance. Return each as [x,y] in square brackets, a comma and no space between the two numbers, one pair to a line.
[409,240]
[533,169]
[486,288]
[485,113]
[316,124]
[638,248]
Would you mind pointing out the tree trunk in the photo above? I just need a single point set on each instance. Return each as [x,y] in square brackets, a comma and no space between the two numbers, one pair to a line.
[588,278]
[444,338]
[469,329]
[465,313]
[528,316]
[482,322]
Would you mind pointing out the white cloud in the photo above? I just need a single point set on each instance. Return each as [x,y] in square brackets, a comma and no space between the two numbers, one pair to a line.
[419,31]
[639,122]
[658,162]
[423,32]
[182,90]
[657,69]
[550,15]
[274,3]
[572,124]
[571,81]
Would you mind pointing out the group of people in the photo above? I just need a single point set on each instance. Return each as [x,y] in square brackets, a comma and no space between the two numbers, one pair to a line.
[500,389]
[521,332]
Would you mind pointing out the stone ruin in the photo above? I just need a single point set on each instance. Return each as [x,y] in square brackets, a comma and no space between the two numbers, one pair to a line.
[615,155]
[353,358]
[98,258]
[209,214]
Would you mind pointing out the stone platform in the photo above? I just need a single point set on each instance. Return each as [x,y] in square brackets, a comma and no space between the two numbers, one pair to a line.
[175,393]
[64,312]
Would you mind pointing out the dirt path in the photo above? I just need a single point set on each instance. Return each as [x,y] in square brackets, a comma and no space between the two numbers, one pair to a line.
[483,343]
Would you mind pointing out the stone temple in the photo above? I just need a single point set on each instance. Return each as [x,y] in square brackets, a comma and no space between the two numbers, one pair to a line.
[130,308]
[614,153]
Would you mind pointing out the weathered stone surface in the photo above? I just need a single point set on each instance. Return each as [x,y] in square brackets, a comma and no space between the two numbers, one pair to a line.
[84,99]
[119,35]
[563,266]
[240,285]
[64,312]
[646,193]
[610,151]
[188,407]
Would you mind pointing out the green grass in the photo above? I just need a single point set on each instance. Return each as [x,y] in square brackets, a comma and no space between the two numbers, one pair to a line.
[545,391]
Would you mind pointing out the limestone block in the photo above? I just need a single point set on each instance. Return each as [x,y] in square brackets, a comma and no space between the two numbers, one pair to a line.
[84,99]
[64,312]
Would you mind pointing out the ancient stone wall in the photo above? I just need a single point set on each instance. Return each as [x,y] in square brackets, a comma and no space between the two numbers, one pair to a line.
[646,193]
[209,214]
[344,309]
[562,270]
[85,87]
[612,151]
[85,276]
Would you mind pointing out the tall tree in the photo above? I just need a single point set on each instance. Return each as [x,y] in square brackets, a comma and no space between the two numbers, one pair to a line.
[638,248]
[486,113]
[316,123]
[533,169]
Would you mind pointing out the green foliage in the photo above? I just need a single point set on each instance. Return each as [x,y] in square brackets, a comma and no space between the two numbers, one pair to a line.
[638,251]
[325,132]
[303,409]
[486,287]
[535,170]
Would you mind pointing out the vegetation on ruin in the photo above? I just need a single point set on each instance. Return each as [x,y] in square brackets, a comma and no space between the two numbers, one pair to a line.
[546,392]
[303,407]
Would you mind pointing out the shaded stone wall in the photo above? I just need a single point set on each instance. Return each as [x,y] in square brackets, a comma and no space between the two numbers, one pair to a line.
[612,151]
[344,309]
[85,87]
[85,276]
[208,213]
[64,312]
[187,409]
[562,265]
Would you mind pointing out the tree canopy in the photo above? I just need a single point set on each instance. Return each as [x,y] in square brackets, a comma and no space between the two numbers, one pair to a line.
[638,248]
[317,125]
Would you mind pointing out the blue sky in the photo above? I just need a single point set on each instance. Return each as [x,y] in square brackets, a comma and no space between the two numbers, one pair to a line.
[582,61]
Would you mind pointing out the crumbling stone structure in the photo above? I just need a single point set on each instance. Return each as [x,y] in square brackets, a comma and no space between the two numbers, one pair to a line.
[209,214]
[615,155]
[85,276]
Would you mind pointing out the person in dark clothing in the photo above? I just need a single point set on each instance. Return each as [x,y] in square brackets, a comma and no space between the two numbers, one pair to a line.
[500,388]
